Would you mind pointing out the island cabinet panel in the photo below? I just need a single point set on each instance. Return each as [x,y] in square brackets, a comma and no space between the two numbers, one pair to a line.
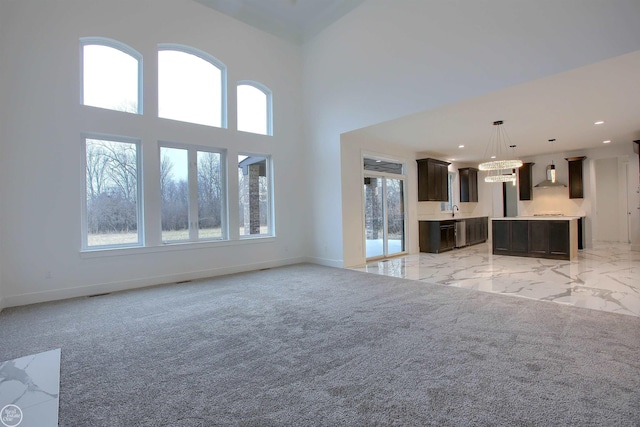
[559,238]
[555,239]
[539,237]
[501,236]
[519,236]
[433,180]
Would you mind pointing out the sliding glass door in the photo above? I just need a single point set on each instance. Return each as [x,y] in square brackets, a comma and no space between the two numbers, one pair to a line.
[384,211]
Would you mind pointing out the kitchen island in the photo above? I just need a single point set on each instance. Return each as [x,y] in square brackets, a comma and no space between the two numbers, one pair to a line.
[554,237]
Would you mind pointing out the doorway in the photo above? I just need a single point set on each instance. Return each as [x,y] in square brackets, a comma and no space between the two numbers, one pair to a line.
[384,211]
[509,199]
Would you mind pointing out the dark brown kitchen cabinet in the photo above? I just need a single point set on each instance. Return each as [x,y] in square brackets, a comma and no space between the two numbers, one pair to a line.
[433,180]
[575,177]
[510,237]
[519,236]
[539,237]
[447,235]
[501,237]
[526,184]
[534,238]
[559,238]
[468,184]
[437,236]
[476,230]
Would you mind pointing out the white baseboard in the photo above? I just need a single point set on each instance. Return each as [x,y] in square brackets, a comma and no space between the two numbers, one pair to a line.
[337,263]
[83,291]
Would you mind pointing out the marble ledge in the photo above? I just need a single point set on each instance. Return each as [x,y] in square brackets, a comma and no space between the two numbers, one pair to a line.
[538,218]
[446,217]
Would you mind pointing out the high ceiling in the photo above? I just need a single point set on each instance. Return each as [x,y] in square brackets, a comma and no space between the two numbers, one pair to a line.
[295,20]
[563,107]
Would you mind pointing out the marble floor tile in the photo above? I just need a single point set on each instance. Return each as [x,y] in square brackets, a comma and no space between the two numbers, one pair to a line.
[605,277]
[30,389]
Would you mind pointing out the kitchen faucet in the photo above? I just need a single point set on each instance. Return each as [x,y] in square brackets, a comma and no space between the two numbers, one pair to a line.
[453,210]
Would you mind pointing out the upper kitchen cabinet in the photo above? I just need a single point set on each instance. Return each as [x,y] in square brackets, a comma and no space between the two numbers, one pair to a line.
[575,177]
[468,184]
[525,178]
[433,180]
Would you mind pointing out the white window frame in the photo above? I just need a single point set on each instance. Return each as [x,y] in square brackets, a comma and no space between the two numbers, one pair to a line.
[124,48]
[264,89]
[270,186]
[192,155]
[215,62]
[140,226]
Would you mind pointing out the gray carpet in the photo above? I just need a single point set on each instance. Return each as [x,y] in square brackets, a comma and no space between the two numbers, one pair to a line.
[310,345]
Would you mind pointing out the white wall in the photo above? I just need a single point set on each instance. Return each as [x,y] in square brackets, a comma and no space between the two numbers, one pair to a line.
[41,174]
[2,154]
[606,227]
[388,59]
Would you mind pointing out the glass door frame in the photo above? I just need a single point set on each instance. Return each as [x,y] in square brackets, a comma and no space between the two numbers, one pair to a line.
[385,211]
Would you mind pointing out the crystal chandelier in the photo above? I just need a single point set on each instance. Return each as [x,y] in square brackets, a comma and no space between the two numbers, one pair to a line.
[497,149]
[500,177]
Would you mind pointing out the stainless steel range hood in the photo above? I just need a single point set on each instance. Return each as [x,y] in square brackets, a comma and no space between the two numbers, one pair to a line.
[551,179]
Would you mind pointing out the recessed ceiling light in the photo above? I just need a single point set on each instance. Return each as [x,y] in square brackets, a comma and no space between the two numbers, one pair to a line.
[493,157]
[460,146]
[599,122]
[451,160]
[378,161]
[607,141]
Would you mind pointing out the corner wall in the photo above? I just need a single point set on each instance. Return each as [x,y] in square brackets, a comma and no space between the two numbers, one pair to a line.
[3,40]
[41,175]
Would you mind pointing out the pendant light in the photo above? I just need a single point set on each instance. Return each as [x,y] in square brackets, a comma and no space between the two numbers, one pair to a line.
[499,168]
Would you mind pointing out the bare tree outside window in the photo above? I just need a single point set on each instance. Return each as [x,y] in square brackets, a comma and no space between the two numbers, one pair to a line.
[112,193]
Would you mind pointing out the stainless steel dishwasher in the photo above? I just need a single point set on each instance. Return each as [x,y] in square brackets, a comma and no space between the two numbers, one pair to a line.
[461,233]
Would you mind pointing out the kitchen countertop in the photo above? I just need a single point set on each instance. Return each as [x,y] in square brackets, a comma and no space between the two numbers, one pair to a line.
[538,218]
[450,218]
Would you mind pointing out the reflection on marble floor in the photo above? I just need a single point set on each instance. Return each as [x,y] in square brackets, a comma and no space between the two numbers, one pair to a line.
[605,277]
[30,389]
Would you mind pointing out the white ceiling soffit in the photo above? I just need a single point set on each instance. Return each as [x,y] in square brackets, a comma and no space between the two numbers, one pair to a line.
[295,20]
[563,107]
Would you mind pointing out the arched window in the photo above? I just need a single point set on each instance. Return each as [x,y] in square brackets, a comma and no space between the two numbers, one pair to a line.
[111,75]
[191,86]
[254,108]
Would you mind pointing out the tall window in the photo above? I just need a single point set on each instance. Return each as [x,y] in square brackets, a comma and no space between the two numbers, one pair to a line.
[111,75]
[254,108]
[255,195]
[191,86]
[112,209]
[193,197]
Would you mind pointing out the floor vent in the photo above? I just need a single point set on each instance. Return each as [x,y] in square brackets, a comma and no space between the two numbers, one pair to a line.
[99,295]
